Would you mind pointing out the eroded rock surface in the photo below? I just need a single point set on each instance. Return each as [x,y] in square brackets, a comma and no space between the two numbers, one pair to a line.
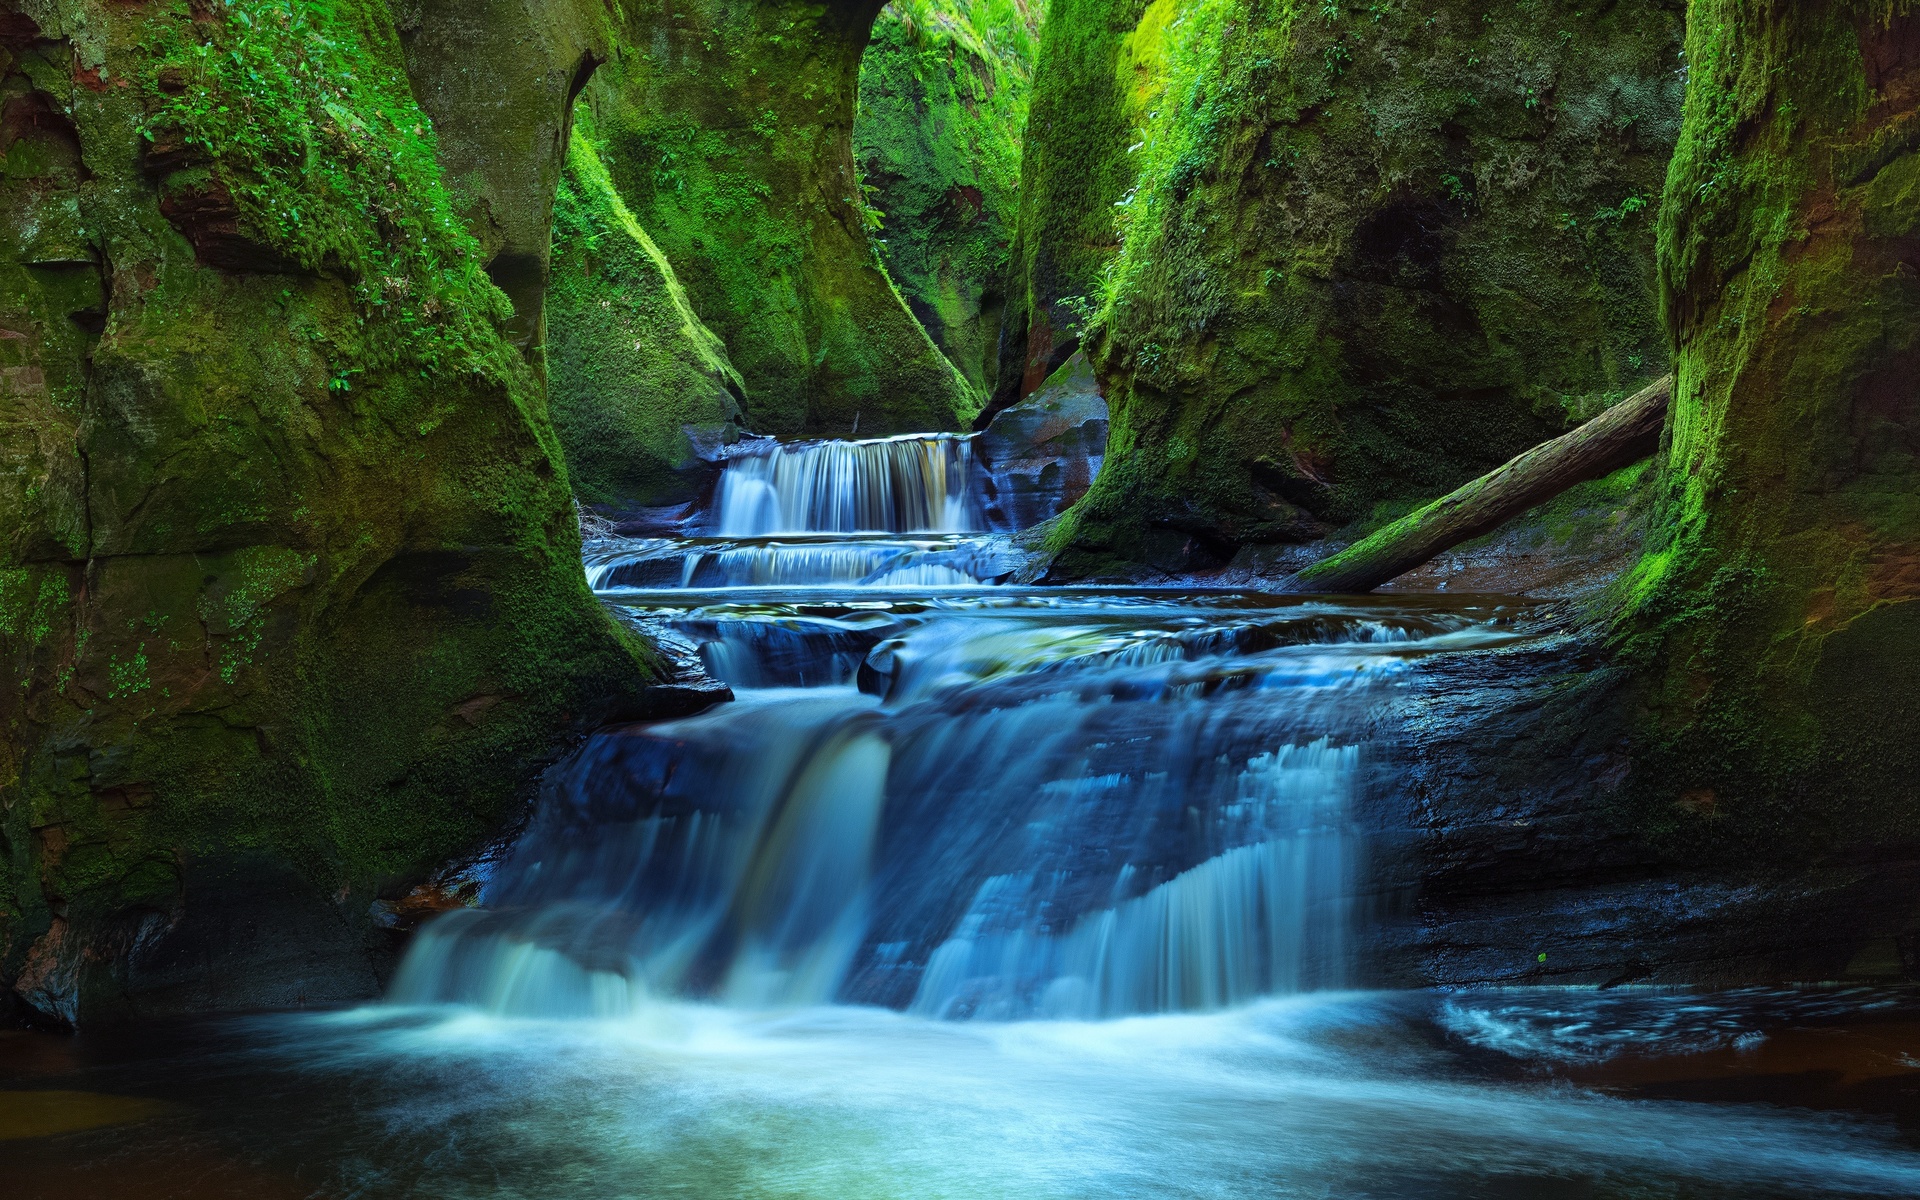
[290,596]
[1041,455]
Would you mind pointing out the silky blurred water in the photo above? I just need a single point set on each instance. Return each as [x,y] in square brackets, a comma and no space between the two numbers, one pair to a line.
[975,891]
[995,804]
[1343,1096]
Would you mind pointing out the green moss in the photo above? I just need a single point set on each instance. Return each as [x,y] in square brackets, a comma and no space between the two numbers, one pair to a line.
[726,126]
[942,107]
[300,111]
[1094,81]
[1369,256]
[1772,615]
[632,372]
[298,536]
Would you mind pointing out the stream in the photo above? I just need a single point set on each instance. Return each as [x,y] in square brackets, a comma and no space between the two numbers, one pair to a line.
[976,889]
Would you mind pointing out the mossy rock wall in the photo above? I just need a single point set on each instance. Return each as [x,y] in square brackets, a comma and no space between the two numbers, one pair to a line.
[290,584]
[1775,618]
[1369,253]
[943,104]
[1096,68]
[640,388]
[498,78]
[726,126]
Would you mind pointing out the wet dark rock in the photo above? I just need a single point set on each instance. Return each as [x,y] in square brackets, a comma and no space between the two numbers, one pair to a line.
[1041,455]
[1513,856]
[689,688]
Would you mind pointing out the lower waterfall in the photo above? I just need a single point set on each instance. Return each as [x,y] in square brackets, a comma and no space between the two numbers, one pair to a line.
[1000,804]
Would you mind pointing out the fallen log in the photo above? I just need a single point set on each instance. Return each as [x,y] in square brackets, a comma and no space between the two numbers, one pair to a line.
[1618,437]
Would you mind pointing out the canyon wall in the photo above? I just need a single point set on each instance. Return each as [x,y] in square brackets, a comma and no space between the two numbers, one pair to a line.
[1774,616]
[1094,72]
[1713,783]
[726,128]
[943,104]
[290,592]
[1356,257]
[642,391]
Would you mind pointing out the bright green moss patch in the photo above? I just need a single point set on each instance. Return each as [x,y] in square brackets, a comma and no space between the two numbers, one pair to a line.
[298,113]
[942,107]
[1370,253]
[633,375]
[726,126]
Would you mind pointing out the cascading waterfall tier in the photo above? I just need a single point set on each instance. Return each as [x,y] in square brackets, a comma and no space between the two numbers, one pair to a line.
[893,513]
[1001,804]
[915,484]
[953,799]
[910,562]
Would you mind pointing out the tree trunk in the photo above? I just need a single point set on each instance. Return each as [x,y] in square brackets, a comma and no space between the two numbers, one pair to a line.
[1624,434]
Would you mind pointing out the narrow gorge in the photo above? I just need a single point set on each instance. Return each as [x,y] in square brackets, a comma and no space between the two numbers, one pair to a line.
[1044,598]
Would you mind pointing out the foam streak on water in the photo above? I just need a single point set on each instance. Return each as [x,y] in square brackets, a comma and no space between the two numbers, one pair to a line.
[1341,1097]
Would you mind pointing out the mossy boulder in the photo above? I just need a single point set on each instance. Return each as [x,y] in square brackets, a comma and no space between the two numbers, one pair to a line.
[943,103]
[726,126]
[290,597]
[1368,253]
[642,392]
[1775,620]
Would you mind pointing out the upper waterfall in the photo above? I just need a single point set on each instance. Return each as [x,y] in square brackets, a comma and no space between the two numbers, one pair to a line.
[915,484]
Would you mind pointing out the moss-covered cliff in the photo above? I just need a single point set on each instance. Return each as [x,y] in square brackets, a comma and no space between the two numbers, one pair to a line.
[943,102]
[1096,68]
[1368,253]
[639,387]
[726,126]
[1775,614]
[498,78]
[290,598]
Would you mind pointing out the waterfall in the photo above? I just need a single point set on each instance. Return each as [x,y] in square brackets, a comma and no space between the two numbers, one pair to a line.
[749,888]
[915,484]
[1259,919]
[999,805]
